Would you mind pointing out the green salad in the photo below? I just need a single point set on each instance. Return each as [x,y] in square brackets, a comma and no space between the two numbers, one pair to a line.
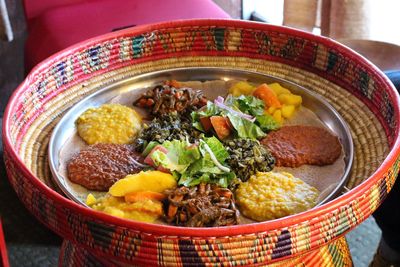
[192,164]
[245,114]
[197,146]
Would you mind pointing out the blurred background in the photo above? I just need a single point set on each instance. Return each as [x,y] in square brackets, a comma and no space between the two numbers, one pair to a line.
[32,30]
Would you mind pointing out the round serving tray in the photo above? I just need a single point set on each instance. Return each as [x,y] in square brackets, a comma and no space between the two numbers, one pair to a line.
[128,90]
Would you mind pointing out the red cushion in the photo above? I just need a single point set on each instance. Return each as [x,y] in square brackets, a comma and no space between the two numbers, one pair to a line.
[60,27]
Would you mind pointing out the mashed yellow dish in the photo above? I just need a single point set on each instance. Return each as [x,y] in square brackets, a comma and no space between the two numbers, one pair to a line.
[110,123]
[272,195]
[137,196]
[146,210]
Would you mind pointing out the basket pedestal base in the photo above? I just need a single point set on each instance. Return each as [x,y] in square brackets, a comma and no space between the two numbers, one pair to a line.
[336,253]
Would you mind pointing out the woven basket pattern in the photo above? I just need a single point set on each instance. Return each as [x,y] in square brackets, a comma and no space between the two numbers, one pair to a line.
[355,88]
[336,253]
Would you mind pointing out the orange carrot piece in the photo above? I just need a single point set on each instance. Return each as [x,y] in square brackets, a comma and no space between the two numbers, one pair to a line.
[172,209]
[221,125]
[267,95]
[206,123]
[143,195]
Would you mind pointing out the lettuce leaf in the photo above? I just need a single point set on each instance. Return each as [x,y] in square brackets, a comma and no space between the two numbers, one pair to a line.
[267,123]
[161,159]
[182,152]
[250,105]
[246,104]
[245,128]
[149,147]
[179,156]
[187,180]
[217,148]
[206,169]
[191,164]
[209,110]
[226,179]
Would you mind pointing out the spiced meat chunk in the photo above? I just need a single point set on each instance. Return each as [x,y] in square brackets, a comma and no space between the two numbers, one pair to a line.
[164,99]
[204,205]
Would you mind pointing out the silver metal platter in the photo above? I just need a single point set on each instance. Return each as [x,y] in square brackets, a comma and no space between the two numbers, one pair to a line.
[126,91]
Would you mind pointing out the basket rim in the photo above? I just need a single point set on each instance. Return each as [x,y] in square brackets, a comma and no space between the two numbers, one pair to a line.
[229,231]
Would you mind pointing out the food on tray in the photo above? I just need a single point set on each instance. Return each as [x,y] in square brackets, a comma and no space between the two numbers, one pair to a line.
[247,157]
[141,195]
[154,181]
[290,99]
[241,88]
[110,123]
[98,166]
[272,195]
[145,209]
[137,196]
[202,205]
[279,102]
[166,127]
[279,89]
[192,163]
[221,125]
[185,166]
[293,146]
[168,98]
[266,94]
[242,117]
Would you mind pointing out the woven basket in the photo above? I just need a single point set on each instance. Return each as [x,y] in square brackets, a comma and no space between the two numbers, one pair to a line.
[356,88]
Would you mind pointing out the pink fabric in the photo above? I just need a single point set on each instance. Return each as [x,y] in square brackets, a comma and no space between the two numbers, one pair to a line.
[60,27]
[34,8]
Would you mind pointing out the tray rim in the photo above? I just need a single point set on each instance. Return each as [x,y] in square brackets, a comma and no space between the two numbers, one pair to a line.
[57,178]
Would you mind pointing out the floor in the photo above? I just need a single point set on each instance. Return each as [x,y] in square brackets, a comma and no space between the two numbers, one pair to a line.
[363,242]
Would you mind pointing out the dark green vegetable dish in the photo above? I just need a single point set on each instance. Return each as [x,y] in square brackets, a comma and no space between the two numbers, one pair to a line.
[247,156]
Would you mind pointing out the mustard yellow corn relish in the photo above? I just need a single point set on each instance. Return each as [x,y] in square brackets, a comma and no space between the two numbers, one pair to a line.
[272,195]
[110,123]
[146,210]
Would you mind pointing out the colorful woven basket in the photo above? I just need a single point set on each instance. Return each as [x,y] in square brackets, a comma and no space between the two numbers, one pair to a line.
[356,88]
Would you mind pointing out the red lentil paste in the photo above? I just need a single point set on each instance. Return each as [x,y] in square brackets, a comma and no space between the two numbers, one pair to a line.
[293,146]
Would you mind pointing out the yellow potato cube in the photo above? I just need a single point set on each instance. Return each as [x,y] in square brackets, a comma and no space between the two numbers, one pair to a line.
[90,200]
[114,212]
[155,181]
[287,111]
[278,116]
[235,92]
[271,110]
[290,99]
[241,88]
[278,89]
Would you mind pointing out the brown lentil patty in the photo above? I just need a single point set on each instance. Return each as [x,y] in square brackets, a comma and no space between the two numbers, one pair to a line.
[293,146]
[99,166]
